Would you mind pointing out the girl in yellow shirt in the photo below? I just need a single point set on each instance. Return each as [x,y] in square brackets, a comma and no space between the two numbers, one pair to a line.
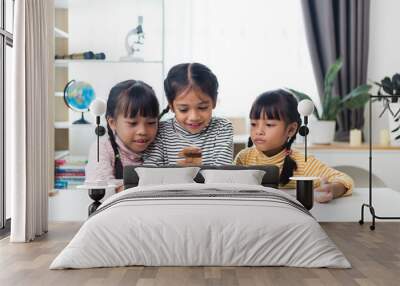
[274,125]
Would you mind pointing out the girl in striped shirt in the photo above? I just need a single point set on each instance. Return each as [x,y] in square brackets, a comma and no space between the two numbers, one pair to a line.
[274,125]
[132,121]
[193,136]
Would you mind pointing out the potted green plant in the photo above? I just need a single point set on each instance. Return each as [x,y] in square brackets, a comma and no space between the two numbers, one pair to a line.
[390,86]
[323,130]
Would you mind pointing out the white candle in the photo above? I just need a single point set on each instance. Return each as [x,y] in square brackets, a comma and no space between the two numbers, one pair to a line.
[384,137]
[355,137]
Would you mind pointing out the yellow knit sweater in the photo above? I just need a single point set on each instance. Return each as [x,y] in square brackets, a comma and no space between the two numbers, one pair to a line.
[313,167]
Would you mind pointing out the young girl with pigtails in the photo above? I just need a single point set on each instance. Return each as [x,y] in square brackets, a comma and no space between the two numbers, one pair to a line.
[132,122]
[274,124]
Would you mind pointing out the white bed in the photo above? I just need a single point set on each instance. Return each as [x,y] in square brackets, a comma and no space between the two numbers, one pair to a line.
[201,224]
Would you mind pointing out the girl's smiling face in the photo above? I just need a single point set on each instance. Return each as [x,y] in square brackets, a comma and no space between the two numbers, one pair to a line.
[136,133]
[193,110]
[269,135]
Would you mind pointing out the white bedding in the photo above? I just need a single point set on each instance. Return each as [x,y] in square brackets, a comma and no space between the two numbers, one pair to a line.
[184,230]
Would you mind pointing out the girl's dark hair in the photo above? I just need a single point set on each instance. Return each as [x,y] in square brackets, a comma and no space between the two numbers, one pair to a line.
[129,98]
[279,105]
[184,76]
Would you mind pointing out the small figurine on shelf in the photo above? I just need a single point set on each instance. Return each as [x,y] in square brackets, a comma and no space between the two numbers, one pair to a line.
[133,40]
[89,55]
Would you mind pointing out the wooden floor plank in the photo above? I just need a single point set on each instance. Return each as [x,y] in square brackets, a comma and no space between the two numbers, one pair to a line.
[374,255]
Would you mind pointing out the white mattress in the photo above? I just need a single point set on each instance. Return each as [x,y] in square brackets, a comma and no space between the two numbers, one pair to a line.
[185,230]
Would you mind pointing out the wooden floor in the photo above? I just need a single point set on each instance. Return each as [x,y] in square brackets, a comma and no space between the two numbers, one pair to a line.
[374,255]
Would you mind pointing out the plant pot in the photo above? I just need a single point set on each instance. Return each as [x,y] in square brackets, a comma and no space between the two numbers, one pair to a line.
[322,132]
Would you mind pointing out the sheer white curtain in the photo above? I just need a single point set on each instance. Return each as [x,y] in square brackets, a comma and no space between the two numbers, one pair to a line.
[252,46]
[29,138]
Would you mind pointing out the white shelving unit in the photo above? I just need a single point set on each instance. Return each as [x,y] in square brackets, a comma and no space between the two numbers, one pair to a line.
[68,125]
[58,33]
[58,155]
[103,74]
[60,64]
[61,125]
[61,4]
[68,35]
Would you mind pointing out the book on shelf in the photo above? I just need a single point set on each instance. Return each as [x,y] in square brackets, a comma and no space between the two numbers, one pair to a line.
[69,169]
[68,182]
[71,178]
[70,162]
[69,172]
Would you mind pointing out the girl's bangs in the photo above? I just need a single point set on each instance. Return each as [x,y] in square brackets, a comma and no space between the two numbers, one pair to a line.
[140,102]
[271,111]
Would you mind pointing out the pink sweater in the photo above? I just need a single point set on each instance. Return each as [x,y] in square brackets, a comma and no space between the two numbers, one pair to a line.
[104,169]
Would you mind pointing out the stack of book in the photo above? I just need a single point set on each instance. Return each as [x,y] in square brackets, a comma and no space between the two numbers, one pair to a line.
[69,173]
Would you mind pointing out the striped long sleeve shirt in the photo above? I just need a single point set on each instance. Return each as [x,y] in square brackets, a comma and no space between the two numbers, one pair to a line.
[215,141]
[313,167]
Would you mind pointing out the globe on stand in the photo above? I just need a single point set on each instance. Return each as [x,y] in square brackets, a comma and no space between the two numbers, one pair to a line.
[78,95]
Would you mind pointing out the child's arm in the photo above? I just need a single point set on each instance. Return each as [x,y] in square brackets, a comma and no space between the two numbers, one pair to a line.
[329,191]
[333,183]
[154,155]
[119,189]
[224,150]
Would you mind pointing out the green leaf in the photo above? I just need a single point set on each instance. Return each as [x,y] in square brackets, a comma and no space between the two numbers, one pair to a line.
[331,112]
[300,96]
[357,102]
[329,82]
[332,73]
[357,98]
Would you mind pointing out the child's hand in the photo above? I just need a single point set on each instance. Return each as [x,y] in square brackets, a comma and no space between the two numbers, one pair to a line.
[324,192]
[328,191]
[190,152]
[191,155]
[189,162]
[119,189]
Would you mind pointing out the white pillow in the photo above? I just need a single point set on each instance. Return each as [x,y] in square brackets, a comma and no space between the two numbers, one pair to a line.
[166,176]
[249,177]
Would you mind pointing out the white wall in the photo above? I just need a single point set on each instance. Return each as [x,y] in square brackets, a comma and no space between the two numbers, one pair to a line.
[252,47]
[384,53]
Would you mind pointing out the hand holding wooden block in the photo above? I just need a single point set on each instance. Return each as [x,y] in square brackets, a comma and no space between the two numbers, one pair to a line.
[192,156]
